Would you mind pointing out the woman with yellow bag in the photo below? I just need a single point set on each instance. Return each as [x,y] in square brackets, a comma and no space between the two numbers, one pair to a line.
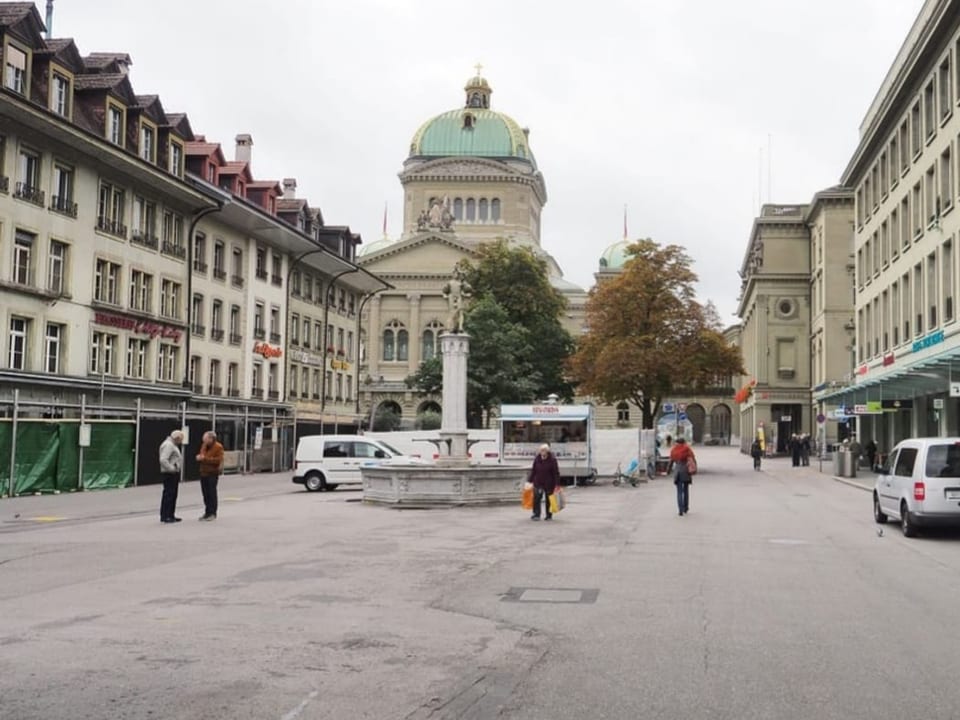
[545,476]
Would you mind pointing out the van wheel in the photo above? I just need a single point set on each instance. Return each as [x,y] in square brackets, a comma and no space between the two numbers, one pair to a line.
[315,482]
[878,515]
[906,523]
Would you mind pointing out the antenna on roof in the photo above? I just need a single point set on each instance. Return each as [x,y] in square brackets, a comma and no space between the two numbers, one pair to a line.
[49,19]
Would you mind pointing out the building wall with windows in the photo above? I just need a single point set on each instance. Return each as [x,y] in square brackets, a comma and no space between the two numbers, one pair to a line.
[904,174]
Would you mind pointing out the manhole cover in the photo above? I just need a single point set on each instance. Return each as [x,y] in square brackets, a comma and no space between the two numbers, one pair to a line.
[581,596]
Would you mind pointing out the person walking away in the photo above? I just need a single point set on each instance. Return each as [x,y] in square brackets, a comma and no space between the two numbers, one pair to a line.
[756,452]
[857,451]
[545,476]
[170,463]
[210,458]
[795,450]
[871,450]
[805,450]
[679,455]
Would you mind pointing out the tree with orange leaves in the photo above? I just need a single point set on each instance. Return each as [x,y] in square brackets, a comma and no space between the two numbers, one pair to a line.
[648,335]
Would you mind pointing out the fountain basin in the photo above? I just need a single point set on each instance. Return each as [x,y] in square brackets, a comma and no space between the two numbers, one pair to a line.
[443,485]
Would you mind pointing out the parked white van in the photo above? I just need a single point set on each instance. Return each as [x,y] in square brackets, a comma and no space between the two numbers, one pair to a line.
[324,462]
[920,484]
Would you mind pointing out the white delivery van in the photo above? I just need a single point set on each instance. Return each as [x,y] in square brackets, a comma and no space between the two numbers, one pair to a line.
[919,485]
[324,462]
[567,428]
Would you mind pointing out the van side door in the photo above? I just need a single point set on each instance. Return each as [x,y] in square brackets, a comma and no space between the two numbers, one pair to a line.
[336,460]
[888,496]
[903,477]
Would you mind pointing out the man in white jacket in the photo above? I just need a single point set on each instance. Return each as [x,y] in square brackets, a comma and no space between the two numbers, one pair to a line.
[170,463]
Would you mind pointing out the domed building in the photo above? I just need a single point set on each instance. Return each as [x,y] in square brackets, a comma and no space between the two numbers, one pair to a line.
[470,177]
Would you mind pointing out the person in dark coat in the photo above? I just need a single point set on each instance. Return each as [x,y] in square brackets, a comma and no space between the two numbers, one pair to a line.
[545,476]
[756,452]
[795,450]
[871,450]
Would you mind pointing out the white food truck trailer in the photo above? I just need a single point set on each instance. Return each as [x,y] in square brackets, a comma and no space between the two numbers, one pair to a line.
[567,428]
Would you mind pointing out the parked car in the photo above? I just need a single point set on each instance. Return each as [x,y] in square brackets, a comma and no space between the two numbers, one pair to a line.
[919,484]
[325,462]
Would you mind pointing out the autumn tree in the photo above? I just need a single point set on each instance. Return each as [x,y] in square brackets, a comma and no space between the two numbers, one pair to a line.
[648,336]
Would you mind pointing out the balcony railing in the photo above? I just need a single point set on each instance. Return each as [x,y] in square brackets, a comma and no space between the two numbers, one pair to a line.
[139,237]
[237,280]
[236,338]
[112,227]
[273,394]
[234,392]
[29,193]
[216,335]
[219,274]
[274,337]
[216,390]
[259,334]
[64,206]
[4,184]
[261,274]
[198,330]
[200,267]
[174,250]
[276,280]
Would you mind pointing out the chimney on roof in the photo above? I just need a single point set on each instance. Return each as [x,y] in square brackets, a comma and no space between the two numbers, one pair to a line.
[49,22]
[289,188]
[244,148]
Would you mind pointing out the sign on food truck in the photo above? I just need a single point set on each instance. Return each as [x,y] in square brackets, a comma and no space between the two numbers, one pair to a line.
[567,428]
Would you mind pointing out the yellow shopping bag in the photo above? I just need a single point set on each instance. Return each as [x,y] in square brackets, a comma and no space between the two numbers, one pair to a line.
[555,505]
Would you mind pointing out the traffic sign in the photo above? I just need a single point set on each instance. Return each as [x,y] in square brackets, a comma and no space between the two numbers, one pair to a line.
[821,419]
[681,416]
[667,407]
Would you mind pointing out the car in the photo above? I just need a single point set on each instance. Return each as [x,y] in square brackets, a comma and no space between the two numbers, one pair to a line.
[325,462]
[919,485]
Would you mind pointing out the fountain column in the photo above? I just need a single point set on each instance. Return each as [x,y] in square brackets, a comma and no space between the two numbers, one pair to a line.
[453,425]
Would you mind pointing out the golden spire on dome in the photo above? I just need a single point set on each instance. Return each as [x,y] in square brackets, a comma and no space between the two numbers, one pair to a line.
[478,90]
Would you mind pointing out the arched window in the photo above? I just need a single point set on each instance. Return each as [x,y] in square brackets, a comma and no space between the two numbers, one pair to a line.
[623,412]
[403,351]
[427,350]
[495,210]
[458,209]
[482,210]
[471,210]
[388,349]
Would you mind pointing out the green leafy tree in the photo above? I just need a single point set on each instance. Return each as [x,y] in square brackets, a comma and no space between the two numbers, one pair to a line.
[648,335]
[519,283]
[428,379]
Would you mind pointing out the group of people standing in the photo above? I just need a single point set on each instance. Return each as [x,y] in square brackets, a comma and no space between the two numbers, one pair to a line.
[210,459]
[799,447]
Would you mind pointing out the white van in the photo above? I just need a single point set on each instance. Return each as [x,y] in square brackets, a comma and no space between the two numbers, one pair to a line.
[324,462]
[920,484]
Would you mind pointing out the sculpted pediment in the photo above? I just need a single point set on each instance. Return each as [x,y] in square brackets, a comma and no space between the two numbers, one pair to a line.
[424,254]
[460,167]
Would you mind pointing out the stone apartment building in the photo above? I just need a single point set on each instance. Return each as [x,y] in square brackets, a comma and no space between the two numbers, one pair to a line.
[143,275]
[904,174]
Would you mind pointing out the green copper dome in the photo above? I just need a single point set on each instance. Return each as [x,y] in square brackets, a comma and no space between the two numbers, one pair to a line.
[473,130]
[615,256]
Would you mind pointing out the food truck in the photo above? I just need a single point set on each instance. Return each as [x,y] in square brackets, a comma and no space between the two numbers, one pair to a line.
[567,428]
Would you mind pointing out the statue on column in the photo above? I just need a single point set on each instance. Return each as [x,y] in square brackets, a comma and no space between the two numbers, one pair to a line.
[457,291]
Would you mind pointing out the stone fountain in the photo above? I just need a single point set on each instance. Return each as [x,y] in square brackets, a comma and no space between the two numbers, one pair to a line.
[453,479]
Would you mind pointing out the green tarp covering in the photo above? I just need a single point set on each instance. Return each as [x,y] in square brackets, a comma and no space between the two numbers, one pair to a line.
[48,457]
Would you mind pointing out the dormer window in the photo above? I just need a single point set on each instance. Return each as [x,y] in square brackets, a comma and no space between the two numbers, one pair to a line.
[147,142]
[115,124]
[176,159]
[60,94]
[15,75]
[212,173]
[468,121]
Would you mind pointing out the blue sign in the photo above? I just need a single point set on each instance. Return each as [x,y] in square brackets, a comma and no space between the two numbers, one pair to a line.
[929,341]
[682,417]
[667,407]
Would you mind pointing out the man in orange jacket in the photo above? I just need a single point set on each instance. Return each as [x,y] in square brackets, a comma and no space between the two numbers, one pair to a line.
[210,458]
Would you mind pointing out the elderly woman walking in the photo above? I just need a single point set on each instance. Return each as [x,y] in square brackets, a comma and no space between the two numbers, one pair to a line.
[545,476]
[680,457]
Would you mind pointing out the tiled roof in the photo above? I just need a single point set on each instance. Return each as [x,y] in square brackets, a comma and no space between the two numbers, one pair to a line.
[263,185]
[12,13]
[146,100]
[291,204]
[98,82]
[234,168]
[201,148]
[100,60]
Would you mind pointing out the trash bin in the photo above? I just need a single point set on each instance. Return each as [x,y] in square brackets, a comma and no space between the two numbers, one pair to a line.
[838,454]
[849,465]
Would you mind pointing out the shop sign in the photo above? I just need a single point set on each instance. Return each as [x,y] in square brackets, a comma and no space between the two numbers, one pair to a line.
[304,357]
[340,365]
[872,407]
[929,341]
[894,405]
[955,389]
[266,350]
[938,403]
[140,327]
[862,370]
[888,359]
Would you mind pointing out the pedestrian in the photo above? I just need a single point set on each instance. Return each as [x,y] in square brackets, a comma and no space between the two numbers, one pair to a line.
[756,452]
[210,458]
[680,455]
[805,450]
[856,450]
[170,463]
[545,476]
[795,449]
[871,449]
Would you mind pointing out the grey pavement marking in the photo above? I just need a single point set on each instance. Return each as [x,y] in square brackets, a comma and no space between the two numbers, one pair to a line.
[582,596]
[298,710]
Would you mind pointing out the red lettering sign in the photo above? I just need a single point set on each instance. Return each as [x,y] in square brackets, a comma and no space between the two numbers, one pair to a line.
[545,409]
[862,370]
[888,359]
[140,327]
[267,351]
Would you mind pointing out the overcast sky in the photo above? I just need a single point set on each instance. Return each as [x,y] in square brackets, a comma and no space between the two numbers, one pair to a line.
[663,106]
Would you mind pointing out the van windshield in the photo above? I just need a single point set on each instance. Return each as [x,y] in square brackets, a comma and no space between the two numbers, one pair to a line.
[943,461]
[393,450]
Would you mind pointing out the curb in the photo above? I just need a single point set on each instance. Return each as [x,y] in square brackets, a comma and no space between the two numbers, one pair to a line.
[852,483]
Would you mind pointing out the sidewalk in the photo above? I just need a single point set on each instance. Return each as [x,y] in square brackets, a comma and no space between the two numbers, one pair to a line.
[863,481]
